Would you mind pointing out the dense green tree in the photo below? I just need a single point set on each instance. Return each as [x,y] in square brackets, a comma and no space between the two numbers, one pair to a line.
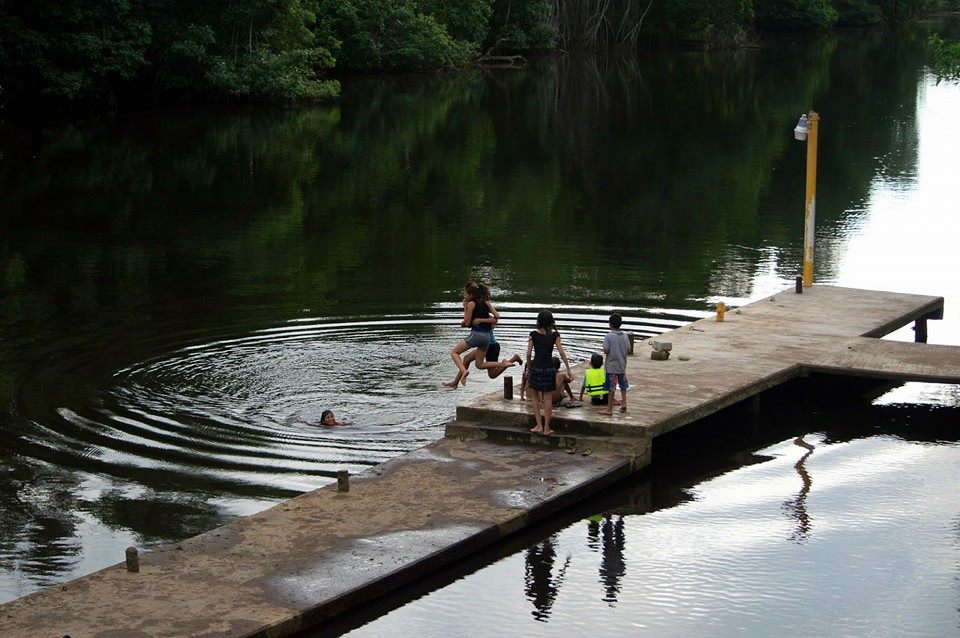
[902,10]
[383,34]
[69,50]
[795,14]
[721,21]
[91,49]
[522,25]
[241,48]
[464,20]
[282,49]
[945,59]
[857,13]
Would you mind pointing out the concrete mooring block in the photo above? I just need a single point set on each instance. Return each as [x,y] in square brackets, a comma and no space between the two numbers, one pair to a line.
[660,355]
[662,345]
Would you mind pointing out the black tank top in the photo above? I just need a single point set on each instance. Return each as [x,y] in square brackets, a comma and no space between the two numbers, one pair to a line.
[543,348]
[480,311]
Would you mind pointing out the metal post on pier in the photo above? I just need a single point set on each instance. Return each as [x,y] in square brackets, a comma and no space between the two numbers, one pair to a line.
[807,129]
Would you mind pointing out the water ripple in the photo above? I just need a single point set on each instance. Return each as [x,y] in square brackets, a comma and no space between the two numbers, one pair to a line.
[242,410]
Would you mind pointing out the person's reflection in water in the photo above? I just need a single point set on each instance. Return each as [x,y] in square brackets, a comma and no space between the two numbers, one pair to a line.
[593,532]
[797,508]
[612,565]
[539,585]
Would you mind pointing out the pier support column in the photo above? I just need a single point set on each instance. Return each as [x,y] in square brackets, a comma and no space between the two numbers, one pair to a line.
[920,330]
[755,412]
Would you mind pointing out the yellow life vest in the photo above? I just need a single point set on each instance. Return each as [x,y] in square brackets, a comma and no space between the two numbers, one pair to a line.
[594,380]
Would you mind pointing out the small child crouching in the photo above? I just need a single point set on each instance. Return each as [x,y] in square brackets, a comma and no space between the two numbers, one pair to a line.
[595,382]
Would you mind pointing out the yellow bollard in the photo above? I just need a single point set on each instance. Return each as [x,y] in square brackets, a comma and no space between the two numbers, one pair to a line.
[721,309]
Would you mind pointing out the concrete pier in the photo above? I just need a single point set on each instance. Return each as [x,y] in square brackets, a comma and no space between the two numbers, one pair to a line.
[320,554]
[713,364]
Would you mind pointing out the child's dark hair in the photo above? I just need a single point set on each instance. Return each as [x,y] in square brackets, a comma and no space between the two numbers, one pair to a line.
[324,414]
[477,291]
[545,320]
[615,321]
[596,360]
[556,362]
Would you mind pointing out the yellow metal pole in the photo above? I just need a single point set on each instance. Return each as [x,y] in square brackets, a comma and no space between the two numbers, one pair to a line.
[810,209]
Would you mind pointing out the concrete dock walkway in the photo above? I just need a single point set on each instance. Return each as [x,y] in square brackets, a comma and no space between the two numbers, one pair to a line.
[314,556]
[317,555]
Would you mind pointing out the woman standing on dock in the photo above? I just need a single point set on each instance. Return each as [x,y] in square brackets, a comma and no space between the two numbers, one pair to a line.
[543,374]
[479,314]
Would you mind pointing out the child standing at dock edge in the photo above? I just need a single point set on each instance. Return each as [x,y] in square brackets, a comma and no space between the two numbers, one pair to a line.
[542,373]
[616,345]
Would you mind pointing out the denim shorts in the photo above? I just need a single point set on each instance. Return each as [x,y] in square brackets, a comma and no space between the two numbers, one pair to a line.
[621,380]
[477,339]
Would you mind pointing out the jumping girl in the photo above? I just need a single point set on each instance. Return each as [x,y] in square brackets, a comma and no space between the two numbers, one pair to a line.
[479,315]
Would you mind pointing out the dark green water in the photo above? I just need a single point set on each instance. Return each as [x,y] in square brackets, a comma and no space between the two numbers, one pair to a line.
[182,293]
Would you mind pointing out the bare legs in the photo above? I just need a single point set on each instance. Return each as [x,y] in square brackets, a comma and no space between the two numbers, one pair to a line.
[548,411]
[459,349]
[538,424]
[612,396]
[542,425]
[494,369]
[467,360]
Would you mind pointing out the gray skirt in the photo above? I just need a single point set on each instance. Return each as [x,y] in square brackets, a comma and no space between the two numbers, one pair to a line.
[543,379]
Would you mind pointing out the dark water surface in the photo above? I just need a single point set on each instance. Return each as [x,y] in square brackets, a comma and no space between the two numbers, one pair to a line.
[182,294]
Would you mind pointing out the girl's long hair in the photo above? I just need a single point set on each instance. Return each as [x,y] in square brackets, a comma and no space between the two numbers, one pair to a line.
[478,292]
[545,322]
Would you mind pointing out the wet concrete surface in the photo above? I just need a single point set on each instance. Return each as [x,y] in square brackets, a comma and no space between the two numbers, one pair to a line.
[311,557]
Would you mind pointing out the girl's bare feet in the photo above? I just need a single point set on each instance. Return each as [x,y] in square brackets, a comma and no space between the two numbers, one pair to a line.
[463,379]
[516,359]
[451,384]
[538,428]
[547,432]
[623,408]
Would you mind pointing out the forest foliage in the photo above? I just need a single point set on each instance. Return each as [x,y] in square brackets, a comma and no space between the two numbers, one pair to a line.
[945,59]
[60,51]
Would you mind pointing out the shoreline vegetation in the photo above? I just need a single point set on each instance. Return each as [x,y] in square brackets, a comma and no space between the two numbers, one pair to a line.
[100,53]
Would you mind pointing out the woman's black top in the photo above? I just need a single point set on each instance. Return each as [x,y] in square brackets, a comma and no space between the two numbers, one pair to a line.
[481,310]
[543,348]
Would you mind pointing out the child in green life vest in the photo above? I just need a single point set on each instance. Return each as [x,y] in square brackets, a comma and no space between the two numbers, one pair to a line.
[595,382]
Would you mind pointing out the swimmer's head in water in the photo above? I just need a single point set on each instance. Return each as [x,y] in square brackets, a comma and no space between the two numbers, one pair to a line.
[327,417]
